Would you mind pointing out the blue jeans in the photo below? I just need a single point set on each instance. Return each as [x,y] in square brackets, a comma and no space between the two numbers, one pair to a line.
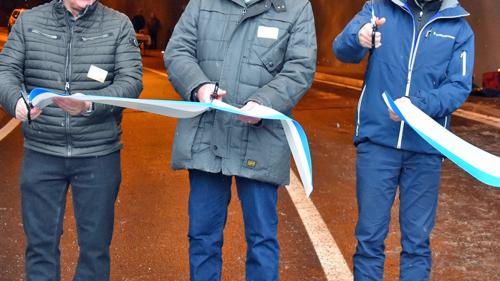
[379,172]
[44,184]
[208,200]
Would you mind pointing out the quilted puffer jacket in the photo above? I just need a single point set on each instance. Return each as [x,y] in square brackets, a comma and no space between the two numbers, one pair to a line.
[49,48]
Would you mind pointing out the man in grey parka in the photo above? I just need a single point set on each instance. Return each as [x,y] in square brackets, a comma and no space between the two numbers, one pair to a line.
[259,52]
[70,46]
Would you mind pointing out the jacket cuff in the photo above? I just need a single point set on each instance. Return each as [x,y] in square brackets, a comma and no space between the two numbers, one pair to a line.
[357,29]
[194,97]
[194,85]
[12,102]
[419,102]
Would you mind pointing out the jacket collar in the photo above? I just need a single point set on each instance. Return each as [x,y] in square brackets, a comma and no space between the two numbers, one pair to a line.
[279,5]
[449,8]
[62,11]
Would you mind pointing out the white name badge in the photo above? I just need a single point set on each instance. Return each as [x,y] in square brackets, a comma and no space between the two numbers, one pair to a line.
[268,32]
[97,74]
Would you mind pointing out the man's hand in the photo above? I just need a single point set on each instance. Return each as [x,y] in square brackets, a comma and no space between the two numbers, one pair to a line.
[73,107]
[22,111]
[205,91]
[394,117]
[365,34]
[247,119]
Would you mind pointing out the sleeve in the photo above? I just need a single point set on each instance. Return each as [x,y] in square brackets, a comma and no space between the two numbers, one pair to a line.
[346,46]
[457,86]
[295,78]
[11,68]
[180,55]
[127,81]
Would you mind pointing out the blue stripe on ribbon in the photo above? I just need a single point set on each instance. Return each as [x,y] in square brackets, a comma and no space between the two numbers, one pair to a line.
[279,116]
[475,172]
[305,143]
[469,168]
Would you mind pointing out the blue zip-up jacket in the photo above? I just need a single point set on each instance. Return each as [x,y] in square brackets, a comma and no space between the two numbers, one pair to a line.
[432,67]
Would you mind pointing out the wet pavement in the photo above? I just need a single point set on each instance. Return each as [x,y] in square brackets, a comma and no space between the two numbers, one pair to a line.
[150,239]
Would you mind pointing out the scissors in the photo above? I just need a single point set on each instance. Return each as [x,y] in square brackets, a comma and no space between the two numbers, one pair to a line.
[26,101]
[374,26]
[215,94]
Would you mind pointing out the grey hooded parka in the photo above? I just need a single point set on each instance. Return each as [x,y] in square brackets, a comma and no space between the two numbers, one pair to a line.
[264,52]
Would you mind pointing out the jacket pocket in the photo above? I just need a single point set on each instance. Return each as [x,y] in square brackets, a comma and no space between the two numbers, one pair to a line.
[360,102]
[96,37]
[258,149]
[184,139]
[272,58]
[203,136]
[44,34]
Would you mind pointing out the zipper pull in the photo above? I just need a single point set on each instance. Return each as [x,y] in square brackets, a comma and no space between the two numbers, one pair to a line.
[66,87]
[429,32]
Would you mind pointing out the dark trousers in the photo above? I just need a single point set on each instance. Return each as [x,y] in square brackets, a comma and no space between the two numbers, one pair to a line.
[379,172]
[208,200]
[44,183]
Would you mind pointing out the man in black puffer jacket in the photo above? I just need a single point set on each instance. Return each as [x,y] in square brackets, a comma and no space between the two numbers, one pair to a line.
[70,46]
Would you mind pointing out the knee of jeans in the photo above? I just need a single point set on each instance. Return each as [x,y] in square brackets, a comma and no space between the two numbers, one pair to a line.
[416,245]
[205,228]
[374,234]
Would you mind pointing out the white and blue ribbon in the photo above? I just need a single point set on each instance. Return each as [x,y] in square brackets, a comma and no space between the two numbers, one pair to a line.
[296,137]
[480,164]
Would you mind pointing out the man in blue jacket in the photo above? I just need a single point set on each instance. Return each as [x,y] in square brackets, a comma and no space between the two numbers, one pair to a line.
[421,50]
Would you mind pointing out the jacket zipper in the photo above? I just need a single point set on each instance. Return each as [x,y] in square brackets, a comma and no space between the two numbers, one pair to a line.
[359,110]
[413,55]
[84,39]
[36,31]
[243,13]
[464,62]
[67,87]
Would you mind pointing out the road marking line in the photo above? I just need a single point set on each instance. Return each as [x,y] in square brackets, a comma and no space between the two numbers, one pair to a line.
[478,117]
[329,255]
[156,72]
[9,127]
[338,84]
[485,119]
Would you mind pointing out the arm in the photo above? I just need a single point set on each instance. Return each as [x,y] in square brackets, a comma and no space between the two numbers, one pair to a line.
[11,68]
[346,46]
[180,55]
[458,83]
[290,84]
[127,81]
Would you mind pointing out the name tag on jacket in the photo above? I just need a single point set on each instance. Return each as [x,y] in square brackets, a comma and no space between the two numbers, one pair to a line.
[97,74]
[268,32]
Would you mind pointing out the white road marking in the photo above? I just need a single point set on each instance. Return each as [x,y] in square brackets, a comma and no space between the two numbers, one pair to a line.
[485,119]
[161,73]
[329,255]
[354,84]
[9,127]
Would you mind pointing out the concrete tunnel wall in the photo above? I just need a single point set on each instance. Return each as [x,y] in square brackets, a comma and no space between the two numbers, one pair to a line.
[331,16]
